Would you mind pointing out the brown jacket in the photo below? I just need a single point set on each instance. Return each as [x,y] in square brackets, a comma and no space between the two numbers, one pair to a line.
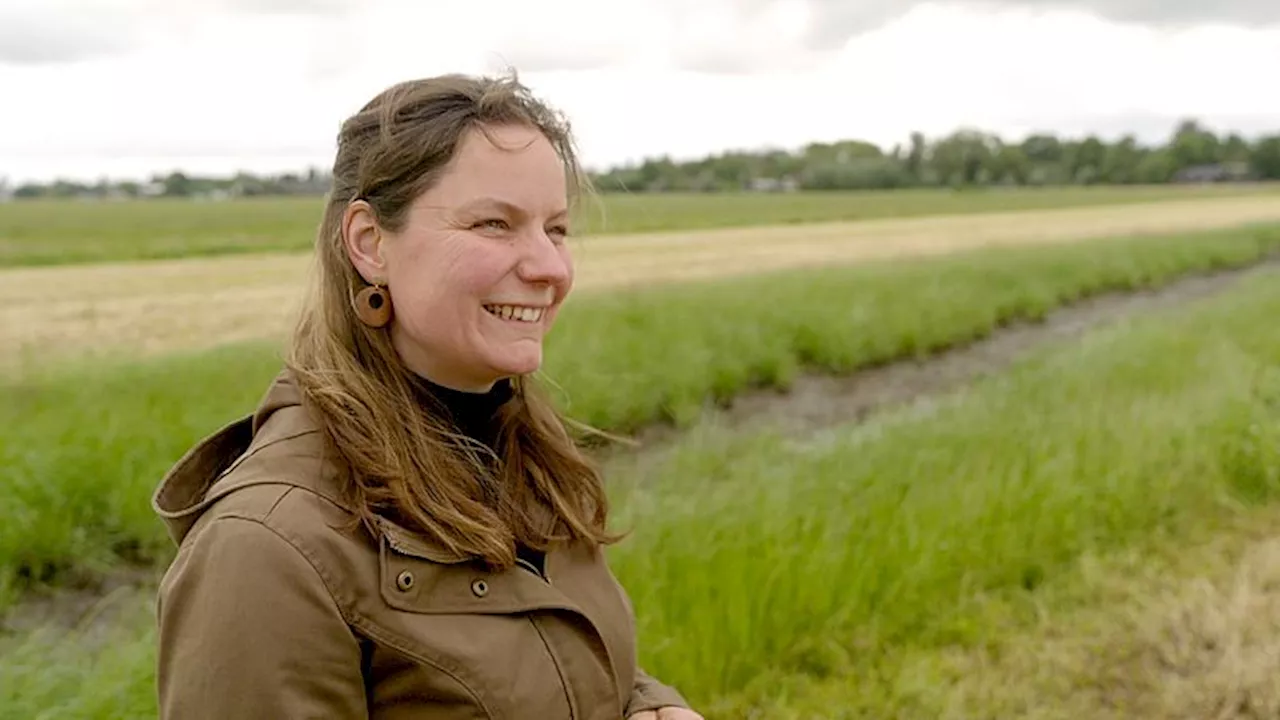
[273,608]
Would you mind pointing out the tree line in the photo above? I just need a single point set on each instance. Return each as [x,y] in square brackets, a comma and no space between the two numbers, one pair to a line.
[966,157]
[178,184]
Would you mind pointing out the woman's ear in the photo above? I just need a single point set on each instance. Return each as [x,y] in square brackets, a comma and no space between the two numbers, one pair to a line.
[363,239]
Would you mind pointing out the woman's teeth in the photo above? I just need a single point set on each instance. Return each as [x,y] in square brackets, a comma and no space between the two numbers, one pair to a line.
[515,312]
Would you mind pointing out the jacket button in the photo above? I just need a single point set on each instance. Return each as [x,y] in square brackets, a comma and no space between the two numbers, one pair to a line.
[480,588]
[404,581]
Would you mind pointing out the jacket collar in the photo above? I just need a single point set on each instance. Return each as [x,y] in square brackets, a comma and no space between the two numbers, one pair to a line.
[278,443]
[221,462]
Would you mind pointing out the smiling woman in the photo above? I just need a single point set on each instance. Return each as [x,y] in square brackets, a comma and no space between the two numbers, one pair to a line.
[403,527]
[479,265]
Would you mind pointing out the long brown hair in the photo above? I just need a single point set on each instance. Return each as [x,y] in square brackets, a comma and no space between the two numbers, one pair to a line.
[402,460]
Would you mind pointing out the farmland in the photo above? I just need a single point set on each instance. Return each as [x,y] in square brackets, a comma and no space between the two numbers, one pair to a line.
[130,307]
[62,232]
[923,561]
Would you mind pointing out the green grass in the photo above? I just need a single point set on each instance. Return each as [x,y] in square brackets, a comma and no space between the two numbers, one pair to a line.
[85,446]
[57,232]
[81,453]
[756,558]
[86,674]
[626,360]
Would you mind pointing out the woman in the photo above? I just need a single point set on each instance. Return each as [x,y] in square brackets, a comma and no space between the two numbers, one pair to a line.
[403,528]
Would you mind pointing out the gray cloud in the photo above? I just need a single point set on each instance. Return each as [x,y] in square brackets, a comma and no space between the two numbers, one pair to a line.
[48,32]
[1164,13]
[836,21]
[43,34]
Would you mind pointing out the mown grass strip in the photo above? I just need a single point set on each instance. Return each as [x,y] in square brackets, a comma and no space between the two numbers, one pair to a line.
[53,232]
[85,446]
[754,554]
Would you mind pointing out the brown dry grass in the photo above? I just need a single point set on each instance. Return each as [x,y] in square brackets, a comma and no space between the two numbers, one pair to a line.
[143,308]
[1188,631]
[1195,639]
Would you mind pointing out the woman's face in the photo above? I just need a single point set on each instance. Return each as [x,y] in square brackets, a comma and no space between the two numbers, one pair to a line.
[480,267]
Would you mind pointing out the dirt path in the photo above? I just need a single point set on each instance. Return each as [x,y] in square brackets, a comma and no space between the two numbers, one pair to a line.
[143,308]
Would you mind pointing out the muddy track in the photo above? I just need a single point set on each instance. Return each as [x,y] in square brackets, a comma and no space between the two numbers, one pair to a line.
[814,402]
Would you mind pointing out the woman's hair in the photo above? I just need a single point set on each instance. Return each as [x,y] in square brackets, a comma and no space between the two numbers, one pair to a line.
[401,460]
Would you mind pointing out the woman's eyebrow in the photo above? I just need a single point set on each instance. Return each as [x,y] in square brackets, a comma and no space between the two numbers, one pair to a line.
[493,203]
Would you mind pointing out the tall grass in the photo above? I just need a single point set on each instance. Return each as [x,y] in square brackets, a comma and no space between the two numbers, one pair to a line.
[86,674]
[753,554]
[83,448]
[49,232]
[628,359]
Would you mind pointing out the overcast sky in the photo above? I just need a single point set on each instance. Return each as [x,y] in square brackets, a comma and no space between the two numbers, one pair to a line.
[128,88]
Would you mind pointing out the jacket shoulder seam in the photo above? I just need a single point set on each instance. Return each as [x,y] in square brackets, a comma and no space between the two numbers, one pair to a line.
[306,556]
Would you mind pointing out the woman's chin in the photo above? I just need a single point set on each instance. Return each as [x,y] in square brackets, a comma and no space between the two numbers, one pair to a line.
[521,360]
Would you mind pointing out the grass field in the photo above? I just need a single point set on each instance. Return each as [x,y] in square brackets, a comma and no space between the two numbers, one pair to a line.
[145,308]
[858,568]
[762,554]
[1087,534]
[84,452]
[61,232]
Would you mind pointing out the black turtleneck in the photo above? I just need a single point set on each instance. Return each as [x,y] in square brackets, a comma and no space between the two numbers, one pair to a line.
[475,415]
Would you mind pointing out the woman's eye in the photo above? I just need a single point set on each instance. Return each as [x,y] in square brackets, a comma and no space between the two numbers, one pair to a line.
[558,232]
[493,224]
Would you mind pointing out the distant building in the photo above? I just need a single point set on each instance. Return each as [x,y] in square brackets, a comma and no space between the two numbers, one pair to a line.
[786,184]
[1214,173]
[6,192]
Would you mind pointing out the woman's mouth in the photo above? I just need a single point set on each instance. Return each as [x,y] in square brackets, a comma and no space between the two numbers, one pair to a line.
[516,313]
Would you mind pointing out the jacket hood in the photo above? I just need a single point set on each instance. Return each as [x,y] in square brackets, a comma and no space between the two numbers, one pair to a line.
[198,477]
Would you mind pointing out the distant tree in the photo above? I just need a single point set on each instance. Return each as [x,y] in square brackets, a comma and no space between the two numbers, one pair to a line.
[1264,161]
[1121,161]
[964,157]
[1042,148]
[1193,145]
[176,184]
[1010,165]
[1235,149]
[1088,161]
[860,174]
[915,159]
[1157,167]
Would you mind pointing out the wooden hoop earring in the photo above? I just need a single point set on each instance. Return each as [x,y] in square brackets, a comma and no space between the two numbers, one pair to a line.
[373,306]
